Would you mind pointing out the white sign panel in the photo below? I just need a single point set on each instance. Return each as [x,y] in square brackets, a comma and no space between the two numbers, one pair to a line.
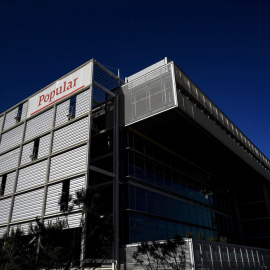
[60,89]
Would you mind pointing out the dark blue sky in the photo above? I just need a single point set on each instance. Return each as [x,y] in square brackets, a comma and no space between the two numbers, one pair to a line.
[222,45]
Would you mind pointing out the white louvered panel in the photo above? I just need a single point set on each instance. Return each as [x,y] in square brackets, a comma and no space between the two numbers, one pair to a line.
[24,110]
[68,163]
[53,220]
[74,220]
[28,205]
[2,231]
[82,103]
[70,135]
[39,124]
[44,145]
[10,183]
[1,122]
[11,138]
[32,175]
[10,118]
[9,160]
[4,210]
[26,152]
[61,113]
[75,185]
[53,196]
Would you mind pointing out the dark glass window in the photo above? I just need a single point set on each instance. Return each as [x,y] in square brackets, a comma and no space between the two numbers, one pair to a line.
[150,174]
[151,202]
[72,108]
[159,176]
[34,153]
[3,185]
[162,229]
[19,113]
[140,199]
[139,168]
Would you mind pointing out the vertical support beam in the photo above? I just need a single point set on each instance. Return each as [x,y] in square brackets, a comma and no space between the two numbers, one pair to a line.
[48,165]
[87,180]
[116,182]
[16,177]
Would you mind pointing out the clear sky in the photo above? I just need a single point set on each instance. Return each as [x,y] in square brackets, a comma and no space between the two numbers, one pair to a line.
[222,45]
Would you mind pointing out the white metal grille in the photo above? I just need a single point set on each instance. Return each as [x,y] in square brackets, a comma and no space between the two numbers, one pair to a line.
[10,183]
[11,138]
[9,160]
[68,163]
[4,210]
[61,113]
[32,176]
[44,145]
[10,118]
[28,205]
[53,196]
[148,95]
[1,122]
[26,152]
[70,135]
[82,103]
[74,220]
[39,124]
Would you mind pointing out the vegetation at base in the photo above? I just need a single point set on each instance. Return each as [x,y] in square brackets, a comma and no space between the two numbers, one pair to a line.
[161,255]
[54,245]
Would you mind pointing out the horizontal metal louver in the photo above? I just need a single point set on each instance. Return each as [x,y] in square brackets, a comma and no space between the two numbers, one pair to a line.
[2,231]
[10,118]
[70,135]
[44,145]
[4,210]
[74,220]
[32,176]
[61,113]
[39,124]
[28,205]
[9,160]
[53,196]
[76,184]
[23,226]
[11,138]
[148,95]
[10,183]
[82,103]
[68,163]
[24,110]
[26,152]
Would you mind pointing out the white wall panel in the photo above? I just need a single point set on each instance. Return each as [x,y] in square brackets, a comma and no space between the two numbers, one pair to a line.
[75,185]
[24,110]
[82,103]
[28,205]
[26,152]
[44,145]
[9,160]
[53,196]
[39,124]
[10,118]
[2,231]
[32,175]
[10,183]
[68,163]
[11,138]
[4,210]
[61,113]
[71,134]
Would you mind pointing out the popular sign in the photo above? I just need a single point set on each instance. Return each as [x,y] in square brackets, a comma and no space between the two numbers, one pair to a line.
[60,89]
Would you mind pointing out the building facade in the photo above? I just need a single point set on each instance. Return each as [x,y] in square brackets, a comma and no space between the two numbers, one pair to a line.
[166,158]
